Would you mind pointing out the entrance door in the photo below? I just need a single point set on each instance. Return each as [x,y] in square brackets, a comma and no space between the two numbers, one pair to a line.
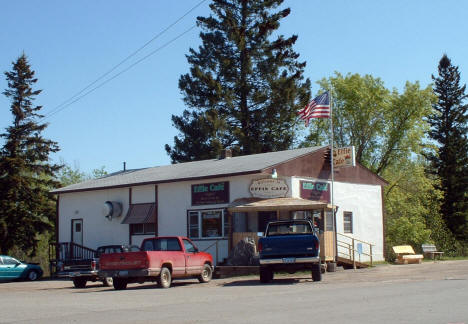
[263,218]
[77,231]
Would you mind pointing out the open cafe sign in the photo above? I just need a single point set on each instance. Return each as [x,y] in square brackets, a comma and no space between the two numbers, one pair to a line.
[343,157]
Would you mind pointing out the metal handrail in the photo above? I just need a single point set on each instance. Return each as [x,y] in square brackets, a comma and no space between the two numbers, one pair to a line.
[351,248]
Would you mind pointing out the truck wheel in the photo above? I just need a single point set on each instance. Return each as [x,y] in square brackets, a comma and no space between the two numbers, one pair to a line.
[107,282]
[119,283]
[206,274]
[164,279]
[316,272]
[79,282]
[266,275]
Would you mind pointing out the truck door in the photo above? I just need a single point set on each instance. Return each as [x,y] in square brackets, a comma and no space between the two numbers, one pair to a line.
[193,263]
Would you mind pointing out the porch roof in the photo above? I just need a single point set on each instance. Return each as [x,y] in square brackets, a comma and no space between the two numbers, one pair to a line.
[259,204]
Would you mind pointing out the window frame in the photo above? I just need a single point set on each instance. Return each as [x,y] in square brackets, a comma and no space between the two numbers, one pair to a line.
[148,229]
[225,225]
[350,222]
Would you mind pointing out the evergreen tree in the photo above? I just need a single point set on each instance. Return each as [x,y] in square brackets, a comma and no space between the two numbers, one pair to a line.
[26,175]
[449,129]
[243,89]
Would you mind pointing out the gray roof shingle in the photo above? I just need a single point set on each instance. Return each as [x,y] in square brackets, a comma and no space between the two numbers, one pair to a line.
[254,163]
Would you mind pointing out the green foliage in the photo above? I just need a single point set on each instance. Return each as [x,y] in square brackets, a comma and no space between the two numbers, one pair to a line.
[384,126]
[412,198]
[449,128]
[70,175]
[26,207]
[407,231]
[245,84]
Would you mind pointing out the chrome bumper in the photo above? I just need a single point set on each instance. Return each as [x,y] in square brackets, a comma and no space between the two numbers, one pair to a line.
[289,261]
[73,274]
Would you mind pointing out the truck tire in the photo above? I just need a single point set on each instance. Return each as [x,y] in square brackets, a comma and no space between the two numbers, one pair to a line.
[316,272]
[266,275]
[165,278]
[206,275]
[79,282]
[107,281]
[119,283]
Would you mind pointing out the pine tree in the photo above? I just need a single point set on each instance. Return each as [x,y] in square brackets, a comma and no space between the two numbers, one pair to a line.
[243,89]
[26,175]
[449,126]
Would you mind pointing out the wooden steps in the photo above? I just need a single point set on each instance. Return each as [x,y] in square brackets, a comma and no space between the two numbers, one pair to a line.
[349,263]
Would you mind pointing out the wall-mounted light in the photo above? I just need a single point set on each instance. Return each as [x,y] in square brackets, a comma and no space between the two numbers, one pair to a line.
[274,174]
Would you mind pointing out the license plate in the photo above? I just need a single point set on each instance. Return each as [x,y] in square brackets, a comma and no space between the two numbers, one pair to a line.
[75,274]
[123,273]
[289,260]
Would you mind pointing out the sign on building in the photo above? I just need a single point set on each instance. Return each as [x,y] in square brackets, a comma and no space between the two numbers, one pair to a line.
[344,157]
[314,190]
[210,193]
[269,188]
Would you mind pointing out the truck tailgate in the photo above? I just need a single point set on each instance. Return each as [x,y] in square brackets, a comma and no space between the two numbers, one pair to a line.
[289,245]
[124,261]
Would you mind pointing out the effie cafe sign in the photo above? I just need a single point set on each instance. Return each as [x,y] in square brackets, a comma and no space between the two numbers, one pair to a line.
[269,188]
[314,190]
[210,193]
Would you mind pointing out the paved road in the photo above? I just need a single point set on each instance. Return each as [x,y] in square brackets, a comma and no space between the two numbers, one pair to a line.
[425,293]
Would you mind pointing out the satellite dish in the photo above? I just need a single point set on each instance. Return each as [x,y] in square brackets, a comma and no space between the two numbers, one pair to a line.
[111,209]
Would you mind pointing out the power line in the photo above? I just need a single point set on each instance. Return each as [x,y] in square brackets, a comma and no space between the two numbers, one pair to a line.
[121,72]
[71,100]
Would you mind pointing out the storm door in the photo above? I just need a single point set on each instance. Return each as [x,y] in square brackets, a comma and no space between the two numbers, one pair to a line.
[77,231]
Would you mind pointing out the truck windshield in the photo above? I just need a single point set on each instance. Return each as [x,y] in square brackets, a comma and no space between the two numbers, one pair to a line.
[289,229]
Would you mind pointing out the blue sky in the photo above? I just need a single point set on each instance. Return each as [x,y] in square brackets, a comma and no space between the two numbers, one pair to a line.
[71,43]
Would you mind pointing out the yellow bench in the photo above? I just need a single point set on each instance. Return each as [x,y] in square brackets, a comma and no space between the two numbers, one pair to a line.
[405,254]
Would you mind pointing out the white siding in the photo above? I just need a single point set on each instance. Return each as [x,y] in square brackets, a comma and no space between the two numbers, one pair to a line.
[97,230]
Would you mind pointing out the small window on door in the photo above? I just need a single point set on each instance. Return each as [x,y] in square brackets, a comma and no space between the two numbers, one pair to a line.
[348,222]
[77,227]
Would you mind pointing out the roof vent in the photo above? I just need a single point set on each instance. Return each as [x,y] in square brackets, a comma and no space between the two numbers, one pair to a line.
[226,154]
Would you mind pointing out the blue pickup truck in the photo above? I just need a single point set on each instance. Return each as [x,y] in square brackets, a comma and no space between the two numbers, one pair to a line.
[289,246]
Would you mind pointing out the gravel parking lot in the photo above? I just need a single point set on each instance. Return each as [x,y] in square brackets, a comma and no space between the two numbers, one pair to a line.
[432,292]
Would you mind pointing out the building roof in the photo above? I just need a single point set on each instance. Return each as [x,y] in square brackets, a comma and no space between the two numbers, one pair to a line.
[247,164]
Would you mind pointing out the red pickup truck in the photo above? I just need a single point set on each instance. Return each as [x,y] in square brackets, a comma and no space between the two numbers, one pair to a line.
[161,259]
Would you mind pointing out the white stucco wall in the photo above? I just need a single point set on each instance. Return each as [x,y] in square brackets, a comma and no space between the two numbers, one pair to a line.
[365,202]
[97,230]
[174,199]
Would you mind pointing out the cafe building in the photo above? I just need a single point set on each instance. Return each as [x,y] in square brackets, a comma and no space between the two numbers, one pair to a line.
[218,202]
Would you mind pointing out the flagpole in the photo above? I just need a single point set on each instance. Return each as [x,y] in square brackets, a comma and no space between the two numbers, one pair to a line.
[333,174]
[331,147]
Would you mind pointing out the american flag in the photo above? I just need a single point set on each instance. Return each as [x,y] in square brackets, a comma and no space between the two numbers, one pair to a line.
[317,108]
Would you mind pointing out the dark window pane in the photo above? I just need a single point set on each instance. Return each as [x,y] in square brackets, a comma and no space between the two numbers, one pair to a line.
[193,224]
[348,222]
[211,223]
[189,247]
[173,245]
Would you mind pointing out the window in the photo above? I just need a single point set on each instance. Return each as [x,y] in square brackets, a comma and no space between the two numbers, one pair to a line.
[189,247]
[348,222]
[329,220]
[162,244]
[207,223]
[8,260]
[142,229]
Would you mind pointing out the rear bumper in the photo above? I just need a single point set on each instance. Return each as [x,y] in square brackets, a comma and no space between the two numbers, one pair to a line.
[152,272]
[286,261]
[74,274]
